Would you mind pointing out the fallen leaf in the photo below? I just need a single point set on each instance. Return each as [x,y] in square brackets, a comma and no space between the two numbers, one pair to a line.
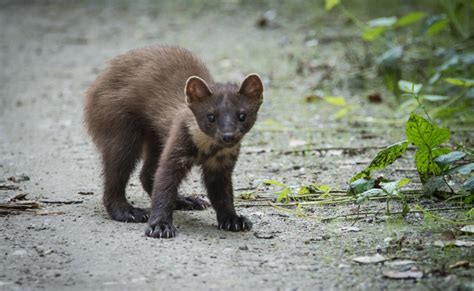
[370,259]
[450,243]
[448,235]
[312,98]
[401,263]
[349,229]
[459,264]
[468,228]
[19,178]
[51,213]
[267,19]
[297,143]
[248,196]
[463,243]
[375,98]
[403,275]
[264,235]
[18,197]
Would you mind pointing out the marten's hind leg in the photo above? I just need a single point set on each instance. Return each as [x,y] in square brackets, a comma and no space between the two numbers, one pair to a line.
[120,157]
[151,157]
[191,203]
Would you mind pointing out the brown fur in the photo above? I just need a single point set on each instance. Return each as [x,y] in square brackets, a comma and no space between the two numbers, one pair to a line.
[136,109]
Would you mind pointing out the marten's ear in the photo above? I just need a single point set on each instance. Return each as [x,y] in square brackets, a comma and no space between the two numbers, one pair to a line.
[196,90]
[252,87]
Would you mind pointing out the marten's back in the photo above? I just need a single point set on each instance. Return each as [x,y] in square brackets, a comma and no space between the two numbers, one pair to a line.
[143,86]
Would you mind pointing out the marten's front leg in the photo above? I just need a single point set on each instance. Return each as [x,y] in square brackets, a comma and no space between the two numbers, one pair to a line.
[173,168]
[218,183]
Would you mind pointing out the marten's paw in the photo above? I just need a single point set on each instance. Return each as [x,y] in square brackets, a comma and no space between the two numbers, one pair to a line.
[129,213]
[191,203]
[160,230]
[235,223]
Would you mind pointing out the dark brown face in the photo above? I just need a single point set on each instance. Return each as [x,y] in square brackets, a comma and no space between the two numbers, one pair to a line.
[225,112]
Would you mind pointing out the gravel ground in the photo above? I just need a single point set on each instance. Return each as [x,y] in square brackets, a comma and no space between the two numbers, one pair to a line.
[49,54]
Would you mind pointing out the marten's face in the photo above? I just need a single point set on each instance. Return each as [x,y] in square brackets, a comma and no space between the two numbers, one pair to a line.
[225,112]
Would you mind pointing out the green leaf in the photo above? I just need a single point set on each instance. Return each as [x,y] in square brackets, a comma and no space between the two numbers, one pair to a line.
[409,87]
[447,159]
[274,182]
[330,4]
[424,134]
[425,164]
[403,182]
[392,187]
[410,18]
[434,78]
[468,185]
[384,158]
[460,82]
[437,27]
[372,33]
[390,56]
[434,98]
[323,188]
[463,170]
[335,100]
[433,184]
[370,193]
[283,195]
[361,185]
[304,190]
[342,112]
[382,21]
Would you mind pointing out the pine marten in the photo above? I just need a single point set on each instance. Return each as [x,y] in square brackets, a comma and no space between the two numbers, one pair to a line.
[160,104]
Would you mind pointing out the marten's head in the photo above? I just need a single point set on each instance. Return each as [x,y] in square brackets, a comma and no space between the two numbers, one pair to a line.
[225,112]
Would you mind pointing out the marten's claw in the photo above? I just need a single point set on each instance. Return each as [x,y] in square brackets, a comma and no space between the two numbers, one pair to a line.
[161,230]
[128,213]
[191,203]
[235,223]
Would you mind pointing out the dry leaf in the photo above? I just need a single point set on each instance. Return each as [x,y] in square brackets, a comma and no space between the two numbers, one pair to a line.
[370,259]
[468,228]
[349,229]
[312,98]
[457,243]
[297,143]
[403,275]
[401,263]
[459,264]
[375,97]
[448,235]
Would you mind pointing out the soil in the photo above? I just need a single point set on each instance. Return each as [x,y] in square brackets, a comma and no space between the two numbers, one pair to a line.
[51,51]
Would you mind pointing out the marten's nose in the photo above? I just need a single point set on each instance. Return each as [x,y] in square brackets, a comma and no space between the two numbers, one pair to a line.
[228,137]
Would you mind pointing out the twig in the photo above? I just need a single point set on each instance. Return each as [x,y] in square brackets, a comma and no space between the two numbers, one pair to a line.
[317,149]
[8,187]
[391,213]
[20,205]
[61,201]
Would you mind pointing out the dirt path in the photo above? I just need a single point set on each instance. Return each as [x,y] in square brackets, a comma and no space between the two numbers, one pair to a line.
[49,54]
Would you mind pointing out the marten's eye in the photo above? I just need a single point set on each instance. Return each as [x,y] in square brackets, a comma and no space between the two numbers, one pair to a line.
[211,117]
[242,117]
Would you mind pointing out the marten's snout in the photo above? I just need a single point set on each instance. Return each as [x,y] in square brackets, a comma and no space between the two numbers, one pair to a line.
[228,137]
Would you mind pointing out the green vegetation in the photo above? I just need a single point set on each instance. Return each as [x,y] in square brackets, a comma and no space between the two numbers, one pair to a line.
[424,59]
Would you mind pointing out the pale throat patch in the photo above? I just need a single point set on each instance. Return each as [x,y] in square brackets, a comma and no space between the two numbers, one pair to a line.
[202,141]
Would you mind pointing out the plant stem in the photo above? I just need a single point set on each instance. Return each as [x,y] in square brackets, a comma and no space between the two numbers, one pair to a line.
[423,107]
